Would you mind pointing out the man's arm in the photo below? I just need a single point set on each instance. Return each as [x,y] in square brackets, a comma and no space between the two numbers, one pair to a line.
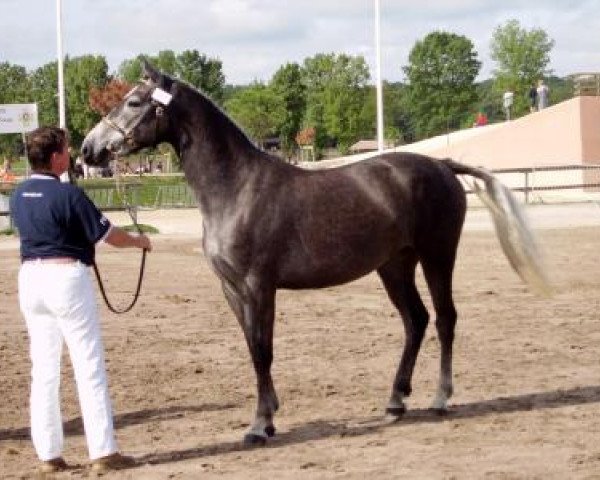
[117,237]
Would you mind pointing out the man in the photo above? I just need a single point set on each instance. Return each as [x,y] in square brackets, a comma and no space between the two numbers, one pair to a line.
[533,98]
[542,95]
[59,227]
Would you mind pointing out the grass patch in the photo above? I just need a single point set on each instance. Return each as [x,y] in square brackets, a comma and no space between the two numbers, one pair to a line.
[143,227]
[8,231]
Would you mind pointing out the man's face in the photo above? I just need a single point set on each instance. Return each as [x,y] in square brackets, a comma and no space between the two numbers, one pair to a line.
[60,160]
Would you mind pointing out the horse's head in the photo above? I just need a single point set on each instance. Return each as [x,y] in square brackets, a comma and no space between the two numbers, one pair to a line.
[139,121]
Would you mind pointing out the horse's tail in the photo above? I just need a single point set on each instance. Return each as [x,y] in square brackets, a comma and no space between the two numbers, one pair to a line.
[514,234]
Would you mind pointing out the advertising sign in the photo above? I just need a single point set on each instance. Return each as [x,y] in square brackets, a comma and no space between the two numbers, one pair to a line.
[18,117]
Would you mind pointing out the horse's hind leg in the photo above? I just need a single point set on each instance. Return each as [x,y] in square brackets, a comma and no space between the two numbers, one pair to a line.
[398,276]
[438,273]
[256,316]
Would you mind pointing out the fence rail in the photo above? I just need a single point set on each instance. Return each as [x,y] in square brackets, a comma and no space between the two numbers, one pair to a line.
[552,184]
[547,184]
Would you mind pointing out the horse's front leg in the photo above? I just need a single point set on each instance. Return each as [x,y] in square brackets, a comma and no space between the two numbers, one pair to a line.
[256,313]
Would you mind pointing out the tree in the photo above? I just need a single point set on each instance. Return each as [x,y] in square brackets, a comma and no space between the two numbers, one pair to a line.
[44,91]
[104,99]
[441,82]
[522,57]
[397,126]
[190,66]
[14,88]
[287,85]
[82,74]
[130,71]
[336,88]
[202,72]
[258,110]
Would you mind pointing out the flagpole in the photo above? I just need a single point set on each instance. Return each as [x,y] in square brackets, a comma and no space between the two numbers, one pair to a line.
[61,84]
[378,79]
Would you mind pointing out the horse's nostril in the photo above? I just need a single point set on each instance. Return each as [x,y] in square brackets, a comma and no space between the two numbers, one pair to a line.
[86,151]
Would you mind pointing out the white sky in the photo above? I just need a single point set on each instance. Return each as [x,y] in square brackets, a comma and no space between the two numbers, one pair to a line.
[254,37]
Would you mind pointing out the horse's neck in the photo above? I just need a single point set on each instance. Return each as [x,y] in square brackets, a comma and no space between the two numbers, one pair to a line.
[217,158]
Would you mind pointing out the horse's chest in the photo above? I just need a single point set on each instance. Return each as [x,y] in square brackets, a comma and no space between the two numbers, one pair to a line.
[221,243]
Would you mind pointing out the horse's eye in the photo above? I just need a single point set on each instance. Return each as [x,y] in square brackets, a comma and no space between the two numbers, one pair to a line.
[134,102]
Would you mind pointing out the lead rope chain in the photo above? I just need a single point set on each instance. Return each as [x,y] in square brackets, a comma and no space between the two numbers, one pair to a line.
[141,274]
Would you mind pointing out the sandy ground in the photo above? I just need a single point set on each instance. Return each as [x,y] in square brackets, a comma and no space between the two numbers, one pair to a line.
[527,370]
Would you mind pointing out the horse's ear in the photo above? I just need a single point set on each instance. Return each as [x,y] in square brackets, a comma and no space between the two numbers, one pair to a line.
[149,73]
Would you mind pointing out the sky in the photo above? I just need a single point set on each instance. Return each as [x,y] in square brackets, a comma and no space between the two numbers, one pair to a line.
[253,38]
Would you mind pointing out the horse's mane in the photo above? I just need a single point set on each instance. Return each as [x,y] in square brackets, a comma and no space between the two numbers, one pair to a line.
[215,114]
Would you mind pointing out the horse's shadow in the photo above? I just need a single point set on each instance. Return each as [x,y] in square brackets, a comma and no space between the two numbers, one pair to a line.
[322,429]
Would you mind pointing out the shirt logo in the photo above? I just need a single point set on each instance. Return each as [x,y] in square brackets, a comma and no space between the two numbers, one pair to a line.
[33,194]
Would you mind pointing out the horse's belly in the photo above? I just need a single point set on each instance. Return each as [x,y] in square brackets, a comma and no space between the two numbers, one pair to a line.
[326,271]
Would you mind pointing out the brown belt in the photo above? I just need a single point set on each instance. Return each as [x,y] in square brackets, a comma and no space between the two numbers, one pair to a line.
[55,260]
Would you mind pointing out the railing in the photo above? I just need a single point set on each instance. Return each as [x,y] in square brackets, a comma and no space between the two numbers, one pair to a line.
[552,184]
[586,84]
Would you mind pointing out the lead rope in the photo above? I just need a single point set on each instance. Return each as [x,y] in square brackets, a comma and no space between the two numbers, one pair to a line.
[142,267]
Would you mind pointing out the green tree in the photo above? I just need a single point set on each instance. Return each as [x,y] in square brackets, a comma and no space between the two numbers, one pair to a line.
[522,57]
[258,110]
[202,72]
[14,88]
[44,91]
[191,66]
[130,70]
[287,85]
[441,82]
[81,75]
[396,120]
[336,93]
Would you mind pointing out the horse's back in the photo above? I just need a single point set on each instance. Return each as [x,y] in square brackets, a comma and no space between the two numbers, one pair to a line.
[348,221]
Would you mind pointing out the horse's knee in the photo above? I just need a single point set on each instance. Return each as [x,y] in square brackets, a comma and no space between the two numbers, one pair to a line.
[446,322]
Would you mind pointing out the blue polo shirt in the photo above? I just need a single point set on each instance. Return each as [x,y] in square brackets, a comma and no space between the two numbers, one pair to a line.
[56,219]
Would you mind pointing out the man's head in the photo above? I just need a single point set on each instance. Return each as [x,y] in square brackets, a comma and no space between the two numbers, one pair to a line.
[46,148]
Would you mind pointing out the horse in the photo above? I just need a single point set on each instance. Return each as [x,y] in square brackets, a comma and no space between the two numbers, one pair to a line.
[270,225]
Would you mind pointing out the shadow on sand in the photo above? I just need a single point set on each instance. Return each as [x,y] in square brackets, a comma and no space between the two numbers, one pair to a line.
[322,429]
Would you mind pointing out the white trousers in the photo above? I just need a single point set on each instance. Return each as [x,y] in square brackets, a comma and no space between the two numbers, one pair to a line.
[59,304]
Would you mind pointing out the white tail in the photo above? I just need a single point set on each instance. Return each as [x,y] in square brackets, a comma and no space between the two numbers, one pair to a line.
[514,234]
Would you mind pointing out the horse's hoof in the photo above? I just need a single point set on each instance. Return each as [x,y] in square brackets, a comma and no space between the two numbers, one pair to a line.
[395,412]
[254,440]
[270,431]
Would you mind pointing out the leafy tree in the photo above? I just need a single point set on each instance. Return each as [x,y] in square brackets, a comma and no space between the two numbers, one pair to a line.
[130,71]
[14,88]
[396,120]
[166,61]
[287,84]
[202,72]
[104,99]
[82,74]
[561,89]
[490,101]
[190,66]
[441,74]
[258,110]
[522,57]
[336,92]
[44,88]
